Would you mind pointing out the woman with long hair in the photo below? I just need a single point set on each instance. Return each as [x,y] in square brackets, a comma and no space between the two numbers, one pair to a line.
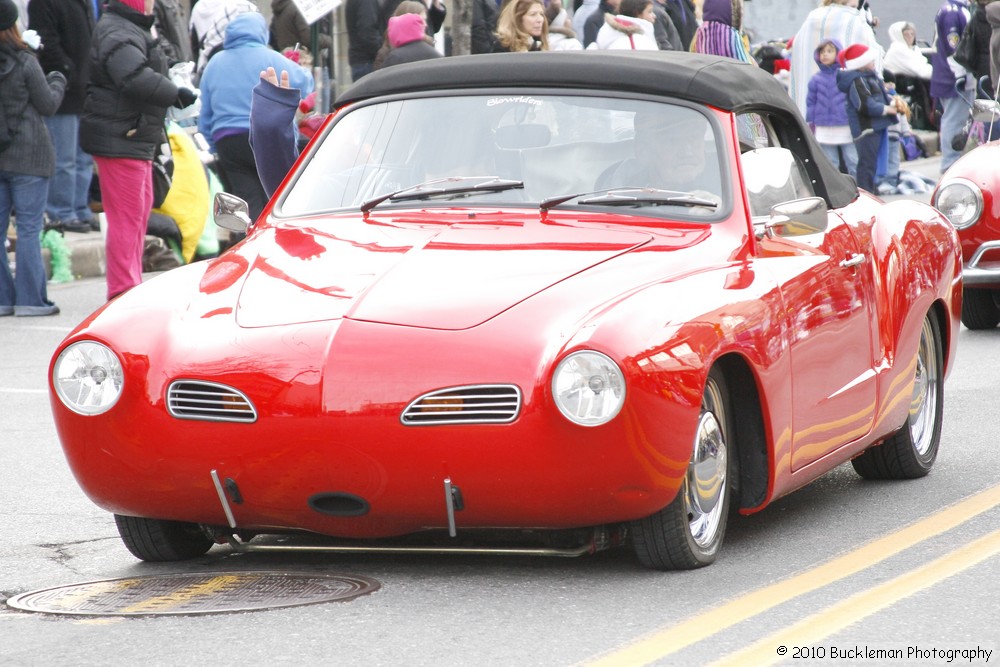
[27,161]
[522,26]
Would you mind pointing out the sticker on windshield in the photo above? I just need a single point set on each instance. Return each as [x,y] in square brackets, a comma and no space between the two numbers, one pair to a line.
[517,99]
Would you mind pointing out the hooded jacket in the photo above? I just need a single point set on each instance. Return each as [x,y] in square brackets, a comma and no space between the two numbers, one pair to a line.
[230,77]
[866,101]
[625,33]
[26,94]
[408,39]
[129,92]
[901,58]
[826,103]
[845,24]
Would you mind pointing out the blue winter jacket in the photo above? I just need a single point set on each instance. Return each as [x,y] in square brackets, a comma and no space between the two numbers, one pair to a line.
[228,81]
[826,104]
[866,101]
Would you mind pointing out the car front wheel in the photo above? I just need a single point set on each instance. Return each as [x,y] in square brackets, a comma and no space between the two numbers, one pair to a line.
[911,451]
[156,540]
[980,309]
[688,532]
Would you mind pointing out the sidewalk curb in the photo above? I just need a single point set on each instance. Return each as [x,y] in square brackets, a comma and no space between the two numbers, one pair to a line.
[87,259]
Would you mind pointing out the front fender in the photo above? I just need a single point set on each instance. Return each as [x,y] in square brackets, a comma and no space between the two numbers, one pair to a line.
[917,260]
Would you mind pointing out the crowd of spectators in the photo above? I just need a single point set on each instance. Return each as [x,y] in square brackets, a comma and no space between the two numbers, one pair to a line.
[97,74]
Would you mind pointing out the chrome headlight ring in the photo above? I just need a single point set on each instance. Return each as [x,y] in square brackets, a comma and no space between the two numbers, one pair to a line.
[588,388]
[961,201]
[88,377]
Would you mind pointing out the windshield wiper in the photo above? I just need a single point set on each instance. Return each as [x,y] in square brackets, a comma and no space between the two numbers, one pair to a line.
[444,187]
[633,197]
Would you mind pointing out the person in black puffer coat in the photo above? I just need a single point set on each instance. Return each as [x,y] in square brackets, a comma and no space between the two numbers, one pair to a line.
[122,124]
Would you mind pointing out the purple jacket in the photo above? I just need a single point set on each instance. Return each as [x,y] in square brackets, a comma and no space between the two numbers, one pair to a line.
[826,104]
[949,24]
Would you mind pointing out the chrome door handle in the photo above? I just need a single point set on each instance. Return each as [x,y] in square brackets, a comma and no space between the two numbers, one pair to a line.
[853,260]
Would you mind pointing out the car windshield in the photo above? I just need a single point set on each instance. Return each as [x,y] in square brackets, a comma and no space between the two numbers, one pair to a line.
[524,150]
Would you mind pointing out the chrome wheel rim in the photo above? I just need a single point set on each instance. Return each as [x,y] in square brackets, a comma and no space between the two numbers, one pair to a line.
[706,477]
[924,401]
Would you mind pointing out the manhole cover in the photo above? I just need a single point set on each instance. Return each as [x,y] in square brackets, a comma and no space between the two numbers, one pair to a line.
[208,593]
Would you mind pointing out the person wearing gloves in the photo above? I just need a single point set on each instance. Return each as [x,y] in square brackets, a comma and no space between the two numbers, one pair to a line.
[123,122]
[631,28]
[27,161]
[226,87]
[408,39]
[870,111]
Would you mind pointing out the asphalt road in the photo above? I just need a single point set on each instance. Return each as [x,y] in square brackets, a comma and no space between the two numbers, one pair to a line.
[844,571]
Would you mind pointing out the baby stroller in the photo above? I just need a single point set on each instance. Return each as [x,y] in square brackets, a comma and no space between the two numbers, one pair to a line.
[983,124]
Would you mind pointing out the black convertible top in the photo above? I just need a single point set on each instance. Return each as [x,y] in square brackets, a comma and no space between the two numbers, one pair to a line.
[723,83]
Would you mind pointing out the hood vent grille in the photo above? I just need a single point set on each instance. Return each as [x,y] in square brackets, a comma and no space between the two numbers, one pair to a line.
[209,401]
[475,404]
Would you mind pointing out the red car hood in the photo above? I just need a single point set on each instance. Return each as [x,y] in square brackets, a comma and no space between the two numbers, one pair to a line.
[443,278]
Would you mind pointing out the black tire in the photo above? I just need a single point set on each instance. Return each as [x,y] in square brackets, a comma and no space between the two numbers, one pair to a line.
[910,452]
[980,309]
[156,540]
[685,535]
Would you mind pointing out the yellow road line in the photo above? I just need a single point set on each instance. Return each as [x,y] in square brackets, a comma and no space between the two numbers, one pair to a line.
[672,639]
[184,595]
[810,631]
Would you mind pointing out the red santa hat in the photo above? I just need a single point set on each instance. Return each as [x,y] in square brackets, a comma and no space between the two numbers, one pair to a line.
[855,56]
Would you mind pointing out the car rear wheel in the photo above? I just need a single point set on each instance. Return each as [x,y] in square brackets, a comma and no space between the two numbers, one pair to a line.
[688,532]
[910,452]
[157,540]
[980,309]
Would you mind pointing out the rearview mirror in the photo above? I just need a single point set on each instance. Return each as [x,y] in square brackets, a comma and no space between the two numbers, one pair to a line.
[231,212]
[798,217]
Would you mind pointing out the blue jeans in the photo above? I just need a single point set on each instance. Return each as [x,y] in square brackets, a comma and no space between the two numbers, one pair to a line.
[69,193]
[850,153]
[25,196]
[868,145]
[956,112]
[892,170]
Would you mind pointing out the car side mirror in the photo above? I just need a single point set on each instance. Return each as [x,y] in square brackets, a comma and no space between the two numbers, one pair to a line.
[985,111]
[231,212]
[798,217]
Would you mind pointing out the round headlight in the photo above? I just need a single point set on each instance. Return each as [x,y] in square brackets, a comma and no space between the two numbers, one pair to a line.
[589,388]
[88,378]
[961,201]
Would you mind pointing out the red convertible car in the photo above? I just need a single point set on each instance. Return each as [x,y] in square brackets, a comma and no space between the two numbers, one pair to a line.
[966,195]
[501,305]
